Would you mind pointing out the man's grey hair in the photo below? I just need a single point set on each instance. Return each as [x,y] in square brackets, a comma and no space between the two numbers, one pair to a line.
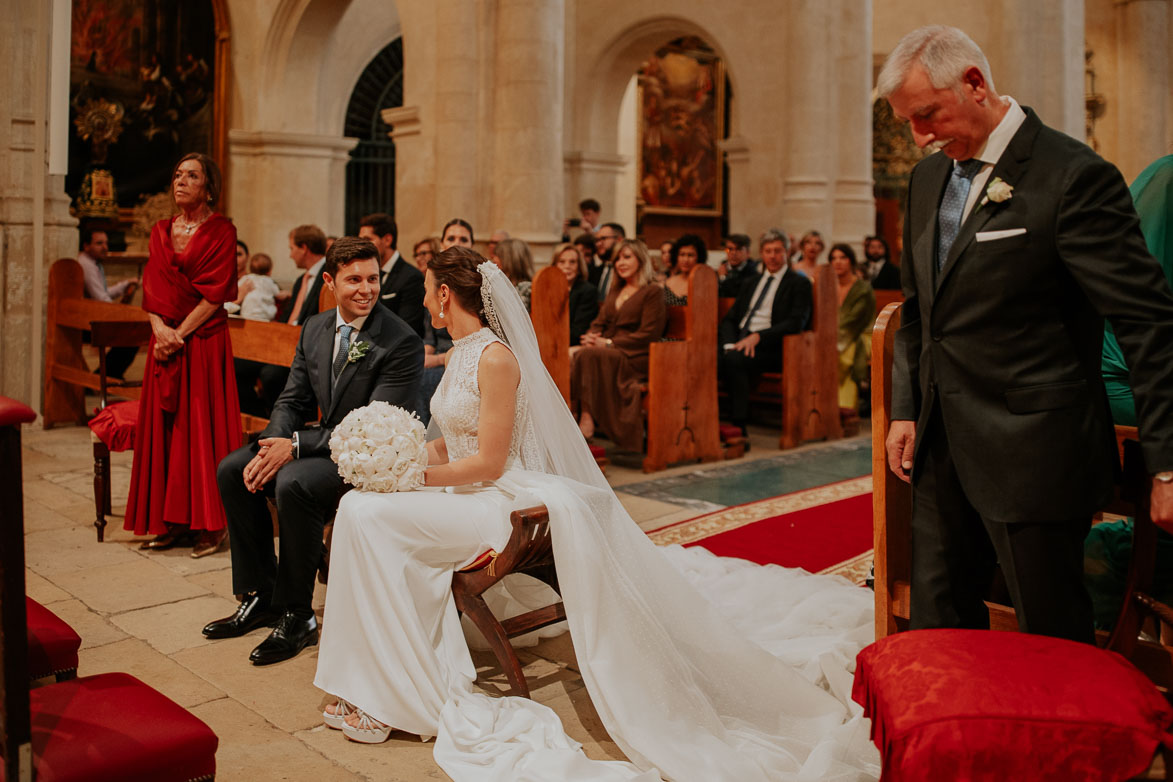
[945,53]
[775,235]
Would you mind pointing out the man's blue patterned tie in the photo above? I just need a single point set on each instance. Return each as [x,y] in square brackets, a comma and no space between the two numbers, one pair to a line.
[953,206]
[343,350]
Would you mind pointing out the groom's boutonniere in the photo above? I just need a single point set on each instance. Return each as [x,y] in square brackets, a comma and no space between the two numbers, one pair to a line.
[357,351]
[997,191]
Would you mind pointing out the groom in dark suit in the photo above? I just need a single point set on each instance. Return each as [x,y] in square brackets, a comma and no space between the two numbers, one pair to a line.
[1018,240]
[345,359]
[769,306]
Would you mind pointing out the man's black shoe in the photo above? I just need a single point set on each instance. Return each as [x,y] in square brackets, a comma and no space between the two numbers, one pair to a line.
[290,636]
[253,612]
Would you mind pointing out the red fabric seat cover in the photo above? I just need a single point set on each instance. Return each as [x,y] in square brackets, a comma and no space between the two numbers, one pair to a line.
[729,432]
[115,425]
[983,705]
[113,728]
[14,413]
[596,451]
[53,644]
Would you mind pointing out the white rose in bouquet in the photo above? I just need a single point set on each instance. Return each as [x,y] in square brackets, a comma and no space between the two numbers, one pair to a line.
[380,447]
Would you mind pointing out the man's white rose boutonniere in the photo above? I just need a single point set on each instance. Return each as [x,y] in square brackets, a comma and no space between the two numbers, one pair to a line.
[357,351]
[998,191]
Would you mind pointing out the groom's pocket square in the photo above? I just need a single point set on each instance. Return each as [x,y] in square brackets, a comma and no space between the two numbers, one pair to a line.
[989,236]
[393,295]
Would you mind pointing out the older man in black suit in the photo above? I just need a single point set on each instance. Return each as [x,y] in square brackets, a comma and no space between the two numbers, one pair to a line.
[345,359]
[401,285]
[770,305]
[1018,240]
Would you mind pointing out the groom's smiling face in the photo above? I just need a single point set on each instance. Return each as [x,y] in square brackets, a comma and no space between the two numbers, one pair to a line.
[356,288]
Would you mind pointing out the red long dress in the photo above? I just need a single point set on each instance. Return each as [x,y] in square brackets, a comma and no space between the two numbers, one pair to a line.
[189,417]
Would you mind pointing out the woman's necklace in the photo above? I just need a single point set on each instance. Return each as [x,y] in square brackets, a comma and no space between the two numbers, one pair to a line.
[188,227]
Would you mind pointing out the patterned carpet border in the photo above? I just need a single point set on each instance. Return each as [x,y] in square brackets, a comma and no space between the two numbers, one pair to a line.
[710,524]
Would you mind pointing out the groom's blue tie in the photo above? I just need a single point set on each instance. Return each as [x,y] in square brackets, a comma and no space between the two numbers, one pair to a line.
[343,350]
[953,206]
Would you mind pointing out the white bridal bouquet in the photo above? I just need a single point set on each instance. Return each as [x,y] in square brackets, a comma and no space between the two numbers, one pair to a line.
[380,447]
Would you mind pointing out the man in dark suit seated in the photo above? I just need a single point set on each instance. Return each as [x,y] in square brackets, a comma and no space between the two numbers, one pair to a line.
[775,303]
[1018,241]
[737,267]
[879,269]
[602,273]
[346,358]
[401,285]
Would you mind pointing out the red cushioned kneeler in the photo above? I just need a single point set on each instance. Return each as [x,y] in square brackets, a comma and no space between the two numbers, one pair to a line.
[53,644]
[115,424]
[983,705]
[113,728]
[729,432]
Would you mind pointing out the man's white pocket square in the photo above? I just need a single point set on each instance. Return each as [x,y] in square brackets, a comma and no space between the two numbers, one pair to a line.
[388,296]
[989,236]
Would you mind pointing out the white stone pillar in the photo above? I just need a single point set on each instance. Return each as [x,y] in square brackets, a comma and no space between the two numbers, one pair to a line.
[456,116]
[811,126]
[736,151]
[1041,62]
[527,117]
[1144,85]
[302,178]
[853,213]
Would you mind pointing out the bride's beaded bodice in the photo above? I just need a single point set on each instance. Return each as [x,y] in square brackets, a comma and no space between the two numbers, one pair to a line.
[456,405]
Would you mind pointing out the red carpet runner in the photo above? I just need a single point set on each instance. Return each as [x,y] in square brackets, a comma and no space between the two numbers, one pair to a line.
[825,529]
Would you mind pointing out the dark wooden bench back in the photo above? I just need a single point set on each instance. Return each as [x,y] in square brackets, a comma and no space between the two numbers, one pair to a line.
[886,297]
[810,371]
[15,728]
[550,314]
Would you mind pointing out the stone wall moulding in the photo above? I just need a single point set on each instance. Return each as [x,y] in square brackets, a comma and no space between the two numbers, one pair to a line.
[605,162]
[812,189]
[404,121]
[247,143]
[736,149]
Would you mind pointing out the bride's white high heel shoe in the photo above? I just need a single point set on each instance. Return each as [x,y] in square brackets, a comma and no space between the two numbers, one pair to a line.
[368,731]
[337,718]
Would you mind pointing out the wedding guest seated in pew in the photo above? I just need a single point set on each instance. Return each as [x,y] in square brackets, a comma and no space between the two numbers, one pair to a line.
[583,301]
[879,269]
[457,232]
[686,252]
[369,354]
[608,369]
[513,257]
[423,252]
[1109,545]
[401,285]
[662,262]
[738,266]
[810,247]
[775,303]
[95,247]
[257,292]
[242,256]
[586,245]
[437,342]
[857,313]
[188,414]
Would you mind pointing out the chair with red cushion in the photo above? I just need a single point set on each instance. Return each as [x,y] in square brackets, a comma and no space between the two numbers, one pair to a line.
[96,728]
[988,705]
[53,644]
[112,429]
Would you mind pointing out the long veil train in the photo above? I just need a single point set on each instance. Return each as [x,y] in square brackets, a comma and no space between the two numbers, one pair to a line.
[700,668]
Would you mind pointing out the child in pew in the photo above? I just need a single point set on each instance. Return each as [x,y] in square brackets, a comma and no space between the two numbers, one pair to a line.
[259,292]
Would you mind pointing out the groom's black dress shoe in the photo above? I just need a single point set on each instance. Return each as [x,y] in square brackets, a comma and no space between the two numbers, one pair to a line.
[253,612]
[290,636]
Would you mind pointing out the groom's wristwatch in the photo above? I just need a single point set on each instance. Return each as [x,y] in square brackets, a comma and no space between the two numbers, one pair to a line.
[1164,477]
[296,448]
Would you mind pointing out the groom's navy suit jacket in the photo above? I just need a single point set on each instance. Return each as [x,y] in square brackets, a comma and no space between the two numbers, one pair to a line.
[389,372]
[1006,338]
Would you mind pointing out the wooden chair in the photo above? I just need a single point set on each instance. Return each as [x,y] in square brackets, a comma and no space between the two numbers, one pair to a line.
[109,726]
[528,551]
[681,398]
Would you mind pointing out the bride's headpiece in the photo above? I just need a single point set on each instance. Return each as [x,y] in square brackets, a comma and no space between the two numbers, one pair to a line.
[487,270]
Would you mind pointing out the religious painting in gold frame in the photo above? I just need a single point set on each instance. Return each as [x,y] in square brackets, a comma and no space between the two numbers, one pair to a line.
[681,109]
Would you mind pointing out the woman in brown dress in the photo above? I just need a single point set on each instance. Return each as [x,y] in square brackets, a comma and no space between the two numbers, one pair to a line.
[607,369]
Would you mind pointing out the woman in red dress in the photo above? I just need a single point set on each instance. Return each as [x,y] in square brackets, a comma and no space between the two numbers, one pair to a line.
[189,418]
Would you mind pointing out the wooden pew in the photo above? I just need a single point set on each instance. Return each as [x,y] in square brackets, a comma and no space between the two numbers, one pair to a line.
[550,313]
[892,515]
[810,371]
[68,314]
[886,297]
[681,400]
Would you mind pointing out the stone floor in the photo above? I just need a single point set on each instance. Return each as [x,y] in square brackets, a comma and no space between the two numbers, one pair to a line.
[142,612]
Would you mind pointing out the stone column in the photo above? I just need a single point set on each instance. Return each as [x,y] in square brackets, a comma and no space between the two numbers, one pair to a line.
[811,127]
[302,177]
[736,150]
[456,117]
[853,212]
[1041,63]
[1144,83]
[526,187]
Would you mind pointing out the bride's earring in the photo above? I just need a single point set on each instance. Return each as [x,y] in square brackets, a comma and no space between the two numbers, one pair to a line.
[441,310]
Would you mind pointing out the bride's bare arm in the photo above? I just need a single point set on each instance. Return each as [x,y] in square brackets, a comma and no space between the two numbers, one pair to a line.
[497,376]
[437,451]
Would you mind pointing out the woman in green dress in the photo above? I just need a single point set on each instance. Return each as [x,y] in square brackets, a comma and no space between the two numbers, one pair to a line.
[857,313]
[1109,545]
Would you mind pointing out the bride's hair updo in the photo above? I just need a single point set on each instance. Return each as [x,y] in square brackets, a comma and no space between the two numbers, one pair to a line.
[456,267]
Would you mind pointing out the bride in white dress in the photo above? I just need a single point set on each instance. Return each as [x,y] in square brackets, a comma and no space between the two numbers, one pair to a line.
[701,668]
